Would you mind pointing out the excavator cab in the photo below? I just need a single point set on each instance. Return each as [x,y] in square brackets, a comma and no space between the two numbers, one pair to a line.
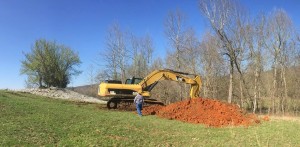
[133,80]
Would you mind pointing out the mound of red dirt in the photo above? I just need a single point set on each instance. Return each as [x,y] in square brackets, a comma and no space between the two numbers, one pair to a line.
[205,111]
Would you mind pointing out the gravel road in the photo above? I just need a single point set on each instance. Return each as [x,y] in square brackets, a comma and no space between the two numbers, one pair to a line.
[62,94]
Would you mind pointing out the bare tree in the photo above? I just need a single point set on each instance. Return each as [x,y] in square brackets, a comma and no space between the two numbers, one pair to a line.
[280,31]
[91,75]
[212,63]
[116,54]
[175,30]
[147,49]
[157,63]
[224,17]
[103,75]
[190,52]
[135,45]
[142,55]
[255,36]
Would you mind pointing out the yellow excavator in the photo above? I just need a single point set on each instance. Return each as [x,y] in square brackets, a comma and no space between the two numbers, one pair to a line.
[119,92]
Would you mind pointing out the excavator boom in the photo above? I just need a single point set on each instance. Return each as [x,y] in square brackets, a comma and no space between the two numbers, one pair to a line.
[151,80]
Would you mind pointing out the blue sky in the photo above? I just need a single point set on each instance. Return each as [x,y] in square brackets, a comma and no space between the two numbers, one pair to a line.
[82,25]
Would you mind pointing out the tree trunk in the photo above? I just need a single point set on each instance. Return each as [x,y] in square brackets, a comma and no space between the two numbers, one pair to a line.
[241,94]
[230,89]
[285,91]
[204,88]
[255,90]
[274,89]
[40,80]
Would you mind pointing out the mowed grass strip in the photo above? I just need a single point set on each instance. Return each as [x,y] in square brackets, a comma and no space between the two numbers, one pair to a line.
[30,120]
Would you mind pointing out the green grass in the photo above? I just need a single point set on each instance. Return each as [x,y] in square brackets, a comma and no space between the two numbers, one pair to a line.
[29,120]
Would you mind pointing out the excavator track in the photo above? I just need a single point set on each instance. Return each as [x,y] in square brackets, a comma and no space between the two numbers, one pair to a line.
[114,102]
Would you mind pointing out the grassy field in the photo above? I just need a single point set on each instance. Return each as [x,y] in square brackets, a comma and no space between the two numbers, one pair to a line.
[29,120]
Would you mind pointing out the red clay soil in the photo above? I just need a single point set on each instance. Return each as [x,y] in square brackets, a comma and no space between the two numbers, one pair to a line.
[204,111]
[266,118]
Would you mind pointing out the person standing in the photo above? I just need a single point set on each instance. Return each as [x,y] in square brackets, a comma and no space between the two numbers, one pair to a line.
[139,100]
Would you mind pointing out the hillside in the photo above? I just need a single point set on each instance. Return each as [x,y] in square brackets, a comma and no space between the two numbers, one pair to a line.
[30,120]
[89,90]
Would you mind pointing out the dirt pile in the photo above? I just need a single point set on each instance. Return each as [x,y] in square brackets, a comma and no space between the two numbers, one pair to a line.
[205,111]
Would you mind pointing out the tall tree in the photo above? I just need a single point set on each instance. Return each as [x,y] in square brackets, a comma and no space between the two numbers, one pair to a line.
[116,54]
[224,17]
[212,65]
[50,64]
[142,52]
[177,35]
[190,52]
[280,31]
[255,37]
[175,30]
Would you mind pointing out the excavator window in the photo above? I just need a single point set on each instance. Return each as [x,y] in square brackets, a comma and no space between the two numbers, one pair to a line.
[128,81]
[133,80]
[137,80]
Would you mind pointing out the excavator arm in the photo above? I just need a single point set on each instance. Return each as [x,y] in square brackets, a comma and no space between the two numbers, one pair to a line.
[153,78]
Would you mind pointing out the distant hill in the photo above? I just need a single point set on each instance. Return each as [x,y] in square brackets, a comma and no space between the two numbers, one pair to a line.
[89,90]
